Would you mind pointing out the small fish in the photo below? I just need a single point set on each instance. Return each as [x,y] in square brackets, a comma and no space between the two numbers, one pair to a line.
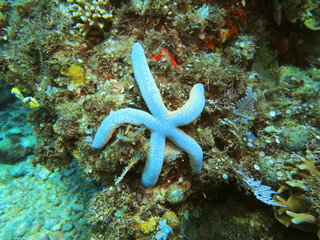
[16,92]
[32,102]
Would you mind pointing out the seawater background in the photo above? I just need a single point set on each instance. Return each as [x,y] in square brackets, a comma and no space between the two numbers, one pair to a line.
[36,203]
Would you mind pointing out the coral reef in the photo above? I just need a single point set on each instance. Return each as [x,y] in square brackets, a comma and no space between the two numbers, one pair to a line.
[261,78]
[4,18]
[91,17]
[299,193]
[307,12]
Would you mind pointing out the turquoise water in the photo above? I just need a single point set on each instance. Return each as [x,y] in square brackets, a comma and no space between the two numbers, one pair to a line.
[36,203]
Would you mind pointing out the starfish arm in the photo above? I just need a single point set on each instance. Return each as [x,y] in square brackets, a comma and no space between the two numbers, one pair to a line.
[190,146]
[155,159]
[146,83]
[191,109]
[115,119]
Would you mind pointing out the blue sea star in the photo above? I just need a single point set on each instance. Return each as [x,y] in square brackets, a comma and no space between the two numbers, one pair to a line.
[162,123]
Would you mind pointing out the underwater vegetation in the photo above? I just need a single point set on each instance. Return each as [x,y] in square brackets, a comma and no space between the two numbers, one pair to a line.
[257,64]
[306,12]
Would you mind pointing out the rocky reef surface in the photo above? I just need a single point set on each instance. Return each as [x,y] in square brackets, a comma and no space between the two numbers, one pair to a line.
[40,204]
[68,64]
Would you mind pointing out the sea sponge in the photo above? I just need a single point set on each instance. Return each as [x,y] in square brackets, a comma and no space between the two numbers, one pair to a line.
[77,75]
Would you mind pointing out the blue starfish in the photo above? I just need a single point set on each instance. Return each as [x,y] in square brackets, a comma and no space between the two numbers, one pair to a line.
[162,123]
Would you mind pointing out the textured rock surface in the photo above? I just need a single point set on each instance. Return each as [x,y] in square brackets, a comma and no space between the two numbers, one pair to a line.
[16,137]
[38,204]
